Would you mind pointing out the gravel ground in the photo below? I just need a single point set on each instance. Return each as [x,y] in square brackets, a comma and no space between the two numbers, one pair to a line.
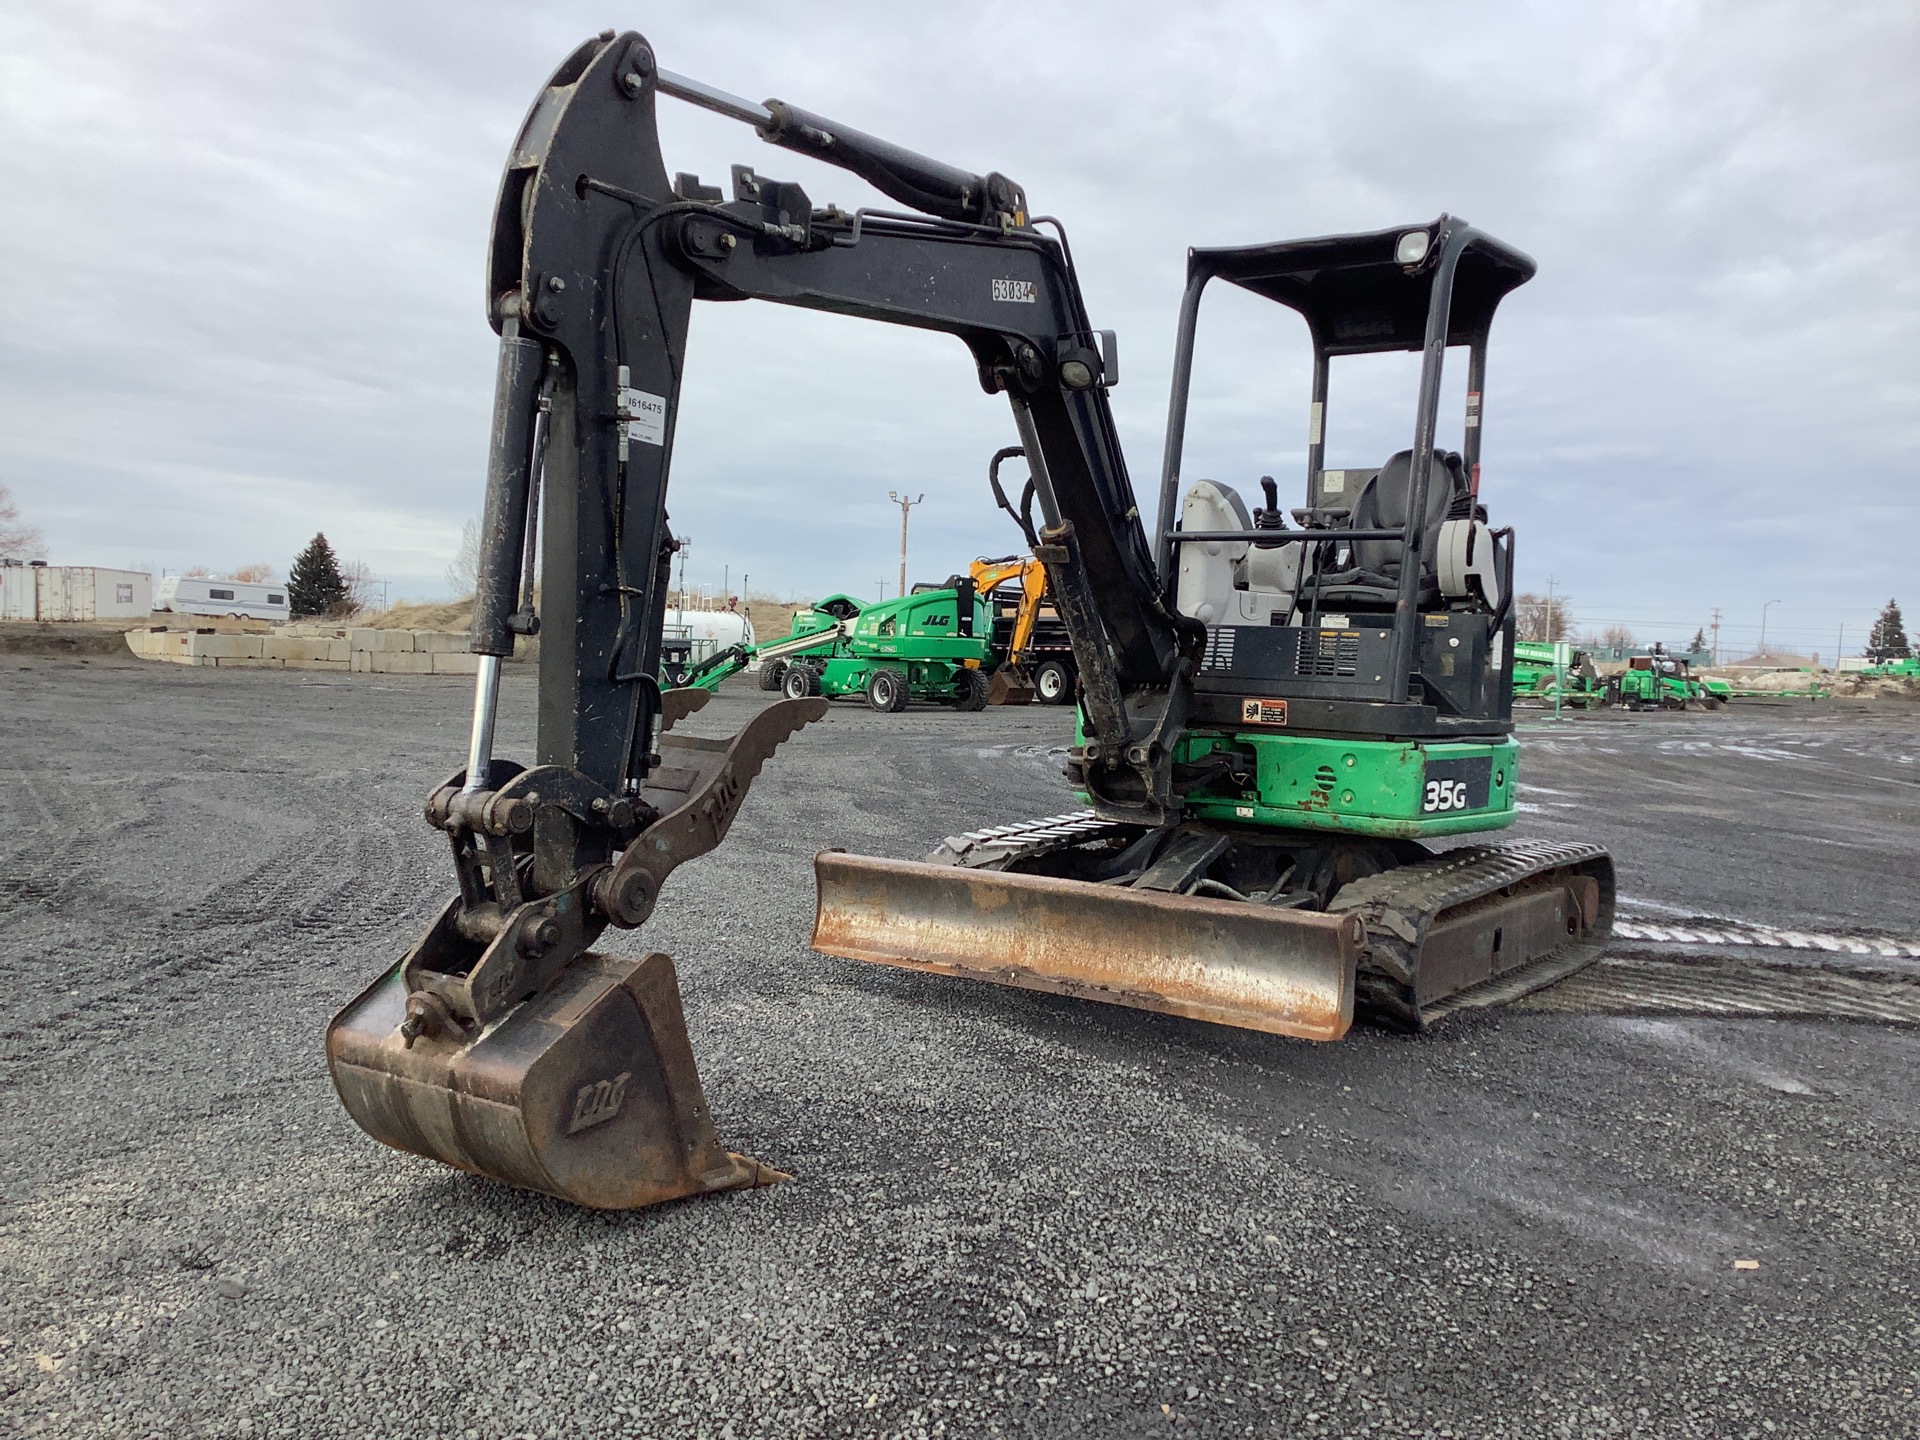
[1013,1215]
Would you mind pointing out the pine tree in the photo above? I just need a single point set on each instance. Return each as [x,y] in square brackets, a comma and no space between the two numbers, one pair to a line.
[314,584]
[1889,638]
[1699,642]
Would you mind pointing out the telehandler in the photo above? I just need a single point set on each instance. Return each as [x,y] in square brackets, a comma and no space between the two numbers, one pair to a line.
[1272,717]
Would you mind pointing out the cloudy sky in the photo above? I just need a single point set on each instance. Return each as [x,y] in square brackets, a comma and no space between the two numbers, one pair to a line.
[244,251]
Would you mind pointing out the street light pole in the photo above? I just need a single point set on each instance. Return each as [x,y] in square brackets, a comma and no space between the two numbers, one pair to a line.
[1763,628]
[905,505]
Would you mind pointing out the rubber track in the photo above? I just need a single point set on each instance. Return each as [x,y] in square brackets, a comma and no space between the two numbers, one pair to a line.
[1400,905]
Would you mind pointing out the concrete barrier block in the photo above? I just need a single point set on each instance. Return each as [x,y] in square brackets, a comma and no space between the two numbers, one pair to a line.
[243,662]
[400,663]
[227,647]
[441,642]
[382,640]
[450,664]
[305,649]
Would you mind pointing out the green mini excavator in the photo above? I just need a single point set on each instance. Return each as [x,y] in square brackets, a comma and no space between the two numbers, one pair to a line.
[1279,709]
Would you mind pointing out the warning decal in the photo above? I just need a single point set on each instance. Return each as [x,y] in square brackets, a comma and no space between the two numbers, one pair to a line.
[1263,712]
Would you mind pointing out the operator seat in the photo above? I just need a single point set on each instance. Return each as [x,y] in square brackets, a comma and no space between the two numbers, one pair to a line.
[1371,579]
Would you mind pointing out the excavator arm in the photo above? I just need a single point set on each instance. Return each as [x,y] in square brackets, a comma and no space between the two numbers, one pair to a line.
[501,1042]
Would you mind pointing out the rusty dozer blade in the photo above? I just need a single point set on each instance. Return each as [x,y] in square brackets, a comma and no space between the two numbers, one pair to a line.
[1287,972]
[587,1091]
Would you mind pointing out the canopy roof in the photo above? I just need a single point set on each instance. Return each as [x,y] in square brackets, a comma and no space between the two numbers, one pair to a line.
[1358,298]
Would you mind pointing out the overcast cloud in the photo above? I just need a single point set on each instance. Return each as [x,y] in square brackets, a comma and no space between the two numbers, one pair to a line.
[244,249]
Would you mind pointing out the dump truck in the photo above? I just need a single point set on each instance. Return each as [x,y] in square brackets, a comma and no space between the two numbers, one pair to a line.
[1274,718]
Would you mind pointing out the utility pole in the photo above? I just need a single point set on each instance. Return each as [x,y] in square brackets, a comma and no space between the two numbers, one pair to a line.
[1716,635]
[686,543]
[726,578]
[1763,629]
[1550,626]
[1840,647]
[905,505]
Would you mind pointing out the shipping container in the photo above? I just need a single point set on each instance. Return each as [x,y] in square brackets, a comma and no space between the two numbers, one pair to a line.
[185,595]
[74,592]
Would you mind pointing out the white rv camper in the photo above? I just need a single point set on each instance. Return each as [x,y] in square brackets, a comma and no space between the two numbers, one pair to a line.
[184,595]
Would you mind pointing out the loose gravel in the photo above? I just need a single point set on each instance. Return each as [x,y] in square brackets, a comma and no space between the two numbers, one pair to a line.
[1012,1214]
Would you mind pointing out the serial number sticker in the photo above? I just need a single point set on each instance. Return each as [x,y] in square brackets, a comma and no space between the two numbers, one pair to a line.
[1263,712]
[1016,292]
[646,416]
[1456,785]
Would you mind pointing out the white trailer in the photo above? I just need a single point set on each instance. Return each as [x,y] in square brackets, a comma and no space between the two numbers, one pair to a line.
[74,592]
[190,595]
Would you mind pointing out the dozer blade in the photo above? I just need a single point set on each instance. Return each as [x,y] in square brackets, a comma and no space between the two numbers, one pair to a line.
[587,1091]
[1287,972]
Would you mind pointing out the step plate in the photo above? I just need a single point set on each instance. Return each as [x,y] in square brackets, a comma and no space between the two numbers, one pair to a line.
[1286,972]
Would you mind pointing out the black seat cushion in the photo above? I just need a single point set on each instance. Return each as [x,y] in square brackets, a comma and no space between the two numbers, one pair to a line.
[1372,577]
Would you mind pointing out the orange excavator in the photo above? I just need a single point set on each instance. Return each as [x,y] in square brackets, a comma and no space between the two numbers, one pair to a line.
[1026,673]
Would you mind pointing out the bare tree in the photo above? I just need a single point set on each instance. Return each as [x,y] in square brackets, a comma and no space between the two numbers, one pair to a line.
[18,541]
[1617,637]
[1538,617]
[463,571]
[196,572]
[361,587]
[258,573]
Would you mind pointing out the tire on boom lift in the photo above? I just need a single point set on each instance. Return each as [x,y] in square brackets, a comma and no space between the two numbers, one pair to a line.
[974,689]
[887,691]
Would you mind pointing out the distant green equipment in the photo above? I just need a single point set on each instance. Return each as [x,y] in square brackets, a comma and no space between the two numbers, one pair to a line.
[1546,670]
[1659,681]
[1905,669]
[930,645]
[708,673]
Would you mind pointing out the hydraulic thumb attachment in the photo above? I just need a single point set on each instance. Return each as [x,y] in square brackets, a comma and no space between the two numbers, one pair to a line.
[501,1043]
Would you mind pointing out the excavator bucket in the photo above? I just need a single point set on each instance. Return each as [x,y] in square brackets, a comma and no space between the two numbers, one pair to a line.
[1287,972]
[1008,686]
[587,1091]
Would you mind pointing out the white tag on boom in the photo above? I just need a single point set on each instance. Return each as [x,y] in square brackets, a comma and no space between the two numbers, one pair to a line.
[645,416]
[1018,292]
